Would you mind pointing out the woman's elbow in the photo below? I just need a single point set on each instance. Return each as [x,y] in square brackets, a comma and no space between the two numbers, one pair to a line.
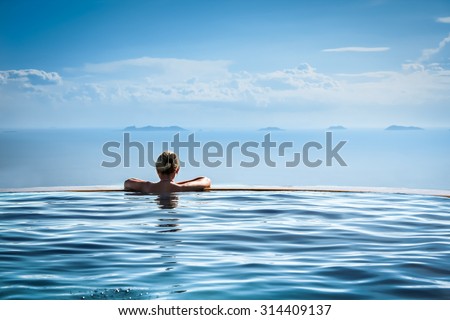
[127,184]
[206,182]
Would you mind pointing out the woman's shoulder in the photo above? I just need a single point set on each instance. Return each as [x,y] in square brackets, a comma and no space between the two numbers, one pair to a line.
[134,184]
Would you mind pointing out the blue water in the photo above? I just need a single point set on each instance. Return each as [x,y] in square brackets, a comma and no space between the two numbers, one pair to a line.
[224,245]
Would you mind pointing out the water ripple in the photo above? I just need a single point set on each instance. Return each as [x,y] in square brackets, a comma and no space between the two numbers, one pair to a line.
[224,245]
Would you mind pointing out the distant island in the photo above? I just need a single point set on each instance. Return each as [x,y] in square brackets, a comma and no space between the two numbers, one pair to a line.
[337,128]
[402,128]
[271,129]
[152,128]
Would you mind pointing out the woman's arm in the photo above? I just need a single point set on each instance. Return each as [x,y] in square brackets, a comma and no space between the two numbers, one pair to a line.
[197,184]
[134,184]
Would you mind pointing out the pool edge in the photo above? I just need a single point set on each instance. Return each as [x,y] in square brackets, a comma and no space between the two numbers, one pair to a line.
[326,189]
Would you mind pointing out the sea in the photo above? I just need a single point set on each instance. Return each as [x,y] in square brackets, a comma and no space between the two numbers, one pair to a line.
[361,158]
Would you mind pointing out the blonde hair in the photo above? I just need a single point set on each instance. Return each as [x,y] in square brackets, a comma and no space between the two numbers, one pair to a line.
[167,162]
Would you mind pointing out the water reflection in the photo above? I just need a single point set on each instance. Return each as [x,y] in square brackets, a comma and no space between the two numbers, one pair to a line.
[169,225]
[161,239]
[167,201]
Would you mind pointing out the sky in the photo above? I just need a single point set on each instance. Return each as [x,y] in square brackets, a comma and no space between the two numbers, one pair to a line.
[226,64]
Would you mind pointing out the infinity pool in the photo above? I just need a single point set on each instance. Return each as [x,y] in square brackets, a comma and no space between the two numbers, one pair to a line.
[224,245]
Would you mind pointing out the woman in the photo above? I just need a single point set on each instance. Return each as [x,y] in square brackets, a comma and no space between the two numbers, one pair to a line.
[167,167]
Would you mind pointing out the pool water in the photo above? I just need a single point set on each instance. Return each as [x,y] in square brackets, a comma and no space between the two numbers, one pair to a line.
[224,245]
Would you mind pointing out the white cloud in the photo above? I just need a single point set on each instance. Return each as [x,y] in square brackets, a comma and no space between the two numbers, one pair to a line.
[147,84]
[291,86]
[357,49]
[443,19]
[413,67]
[175,80]
[415,86]
[159,68]
[428,53]
[189,81]
[30,77]
[302,77]
[367,75]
